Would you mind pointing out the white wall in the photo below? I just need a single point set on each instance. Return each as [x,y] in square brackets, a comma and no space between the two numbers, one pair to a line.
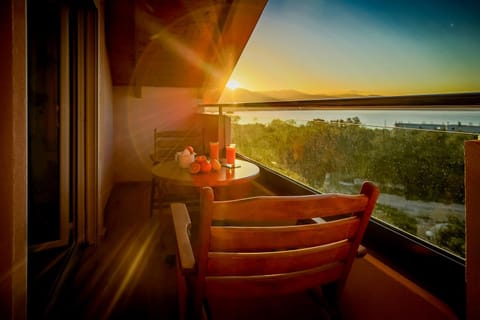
[135,119]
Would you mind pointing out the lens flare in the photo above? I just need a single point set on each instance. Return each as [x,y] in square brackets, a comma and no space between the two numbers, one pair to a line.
[232,84]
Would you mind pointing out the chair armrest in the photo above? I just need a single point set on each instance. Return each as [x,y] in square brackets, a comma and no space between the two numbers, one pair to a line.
[361,251]
[182,223]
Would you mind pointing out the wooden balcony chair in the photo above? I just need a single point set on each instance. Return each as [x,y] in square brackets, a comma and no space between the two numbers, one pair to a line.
[256,247]
[165,145]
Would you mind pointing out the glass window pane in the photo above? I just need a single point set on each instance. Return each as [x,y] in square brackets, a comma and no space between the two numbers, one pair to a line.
[43,122]
[419,170]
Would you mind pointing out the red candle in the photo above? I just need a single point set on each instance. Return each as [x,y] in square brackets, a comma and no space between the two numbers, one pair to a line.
[230,154]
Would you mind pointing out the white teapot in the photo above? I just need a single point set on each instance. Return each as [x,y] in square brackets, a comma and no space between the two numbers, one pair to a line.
[184,158]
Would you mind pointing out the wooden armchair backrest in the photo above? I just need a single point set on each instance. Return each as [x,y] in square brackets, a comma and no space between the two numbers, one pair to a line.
[243,251]
[167,143]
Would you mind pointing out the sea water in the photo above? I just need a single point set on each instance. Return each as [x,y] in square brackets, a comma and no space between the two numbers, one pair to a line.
[375,118]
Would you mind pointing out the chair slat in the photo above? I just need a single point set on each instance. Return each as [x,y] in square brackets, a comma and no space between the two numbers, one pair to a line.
[274,262]
[228,238]
[167,143]
[272,208]
[271,285]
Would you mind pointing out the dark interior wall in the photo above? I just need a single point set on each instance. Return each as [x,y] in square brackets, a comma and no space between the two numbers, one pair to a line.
[13,160]
[6,216]
[120,37]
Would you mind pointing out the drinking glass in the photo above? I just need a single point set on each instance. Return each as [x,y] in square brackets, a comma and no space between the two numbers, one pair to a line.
[230,154]
[214,150]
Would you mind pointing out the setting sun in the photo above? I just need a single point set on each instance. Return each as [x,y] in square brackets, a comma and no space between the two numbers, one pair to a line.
[288,51]
[232,84]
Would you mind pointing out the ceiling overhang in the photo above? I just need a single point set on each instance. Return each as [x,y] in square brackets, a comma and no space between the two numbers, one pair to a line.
[193,44]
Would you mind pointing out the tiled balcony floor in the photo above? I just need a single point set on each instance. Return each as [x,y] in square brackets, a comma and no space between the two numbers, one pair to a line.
[131,273]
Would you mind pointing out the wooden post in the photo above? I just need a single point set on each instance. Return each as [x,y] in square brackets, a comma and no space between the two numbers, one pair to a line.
[472,217]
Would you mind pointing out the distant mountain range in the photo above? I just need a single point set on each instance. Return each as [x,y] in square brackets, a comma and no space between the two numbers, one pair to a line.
[243,95]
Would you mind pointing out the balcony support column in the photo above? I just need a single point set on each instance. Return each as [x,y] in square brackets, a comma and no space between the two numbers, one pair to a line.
[472,217]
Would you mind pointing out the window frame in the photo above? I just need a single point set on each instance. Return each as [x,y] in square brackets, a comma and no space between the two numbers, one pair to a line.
[417,260]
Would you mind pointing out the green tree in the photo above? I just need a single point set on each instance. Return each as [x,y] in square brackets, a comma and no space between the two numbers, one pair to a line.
[452,235]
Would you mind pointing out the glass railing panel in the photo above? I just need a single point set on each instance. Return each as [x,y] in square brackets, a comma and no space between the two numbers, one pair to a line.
[417,164]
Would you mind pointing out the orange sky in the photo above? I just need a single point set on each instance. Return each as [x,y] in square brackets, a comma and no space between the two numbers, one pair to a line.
[340,47]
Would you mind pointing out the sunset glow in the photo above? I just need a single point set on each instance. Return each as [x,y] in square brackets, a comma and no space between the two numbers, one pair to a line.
[232,84]
[363,47]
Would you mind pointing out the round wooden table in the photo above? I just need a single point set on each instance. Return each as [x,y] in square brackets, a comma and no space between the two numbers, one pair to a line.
[170,171]
[227,183]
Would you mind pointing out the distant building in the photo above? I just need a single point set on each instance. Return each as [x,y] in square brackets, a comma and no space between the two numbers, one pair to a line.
[459,127]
